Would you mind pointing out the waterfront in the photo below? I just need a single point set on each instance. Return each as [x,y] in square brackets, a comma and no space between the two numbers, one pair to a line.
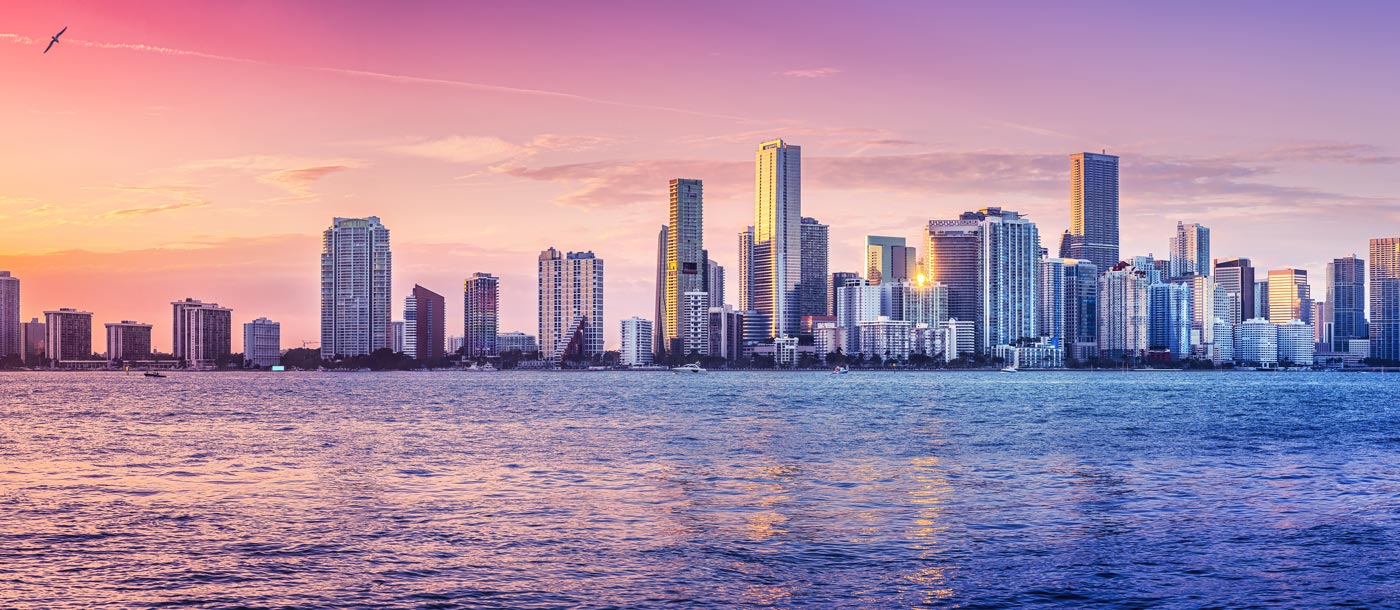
[604,489]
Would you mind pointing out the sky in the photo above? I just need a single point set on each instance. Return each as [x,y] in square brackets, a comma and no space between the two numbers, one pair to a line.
[165,150]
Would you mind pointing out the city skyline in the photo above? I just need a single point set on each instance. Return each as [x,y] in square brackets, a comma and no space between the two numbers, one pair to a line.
[208,207]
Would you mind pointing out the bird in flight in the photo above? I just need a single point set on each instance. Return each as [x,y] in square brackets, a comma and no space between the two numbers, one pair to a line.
[54,41]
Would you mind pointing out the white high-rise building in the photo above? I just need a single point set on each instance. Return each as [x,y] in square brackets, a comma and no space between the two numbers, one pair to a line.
[695,329]
[356,278]
[10,343]
[827,339]
[571,304]
[396,332]
[746,277]
[636,342]
[410,326]
[960,339]
[1222,350]
[925,303]
[1169,319]
[1296,343]
[1190,250]
[886,338]
[856,302]
[777,248]
[1124,312]
[1256,343]
[262,343]
[203,333]
[1008,275]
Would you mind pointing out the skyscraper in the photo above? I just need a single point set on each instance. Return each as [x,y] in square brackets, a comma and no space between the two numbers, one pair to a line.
[636,342]
[1008,272]
[410,326]
[695,334]
[887,259]
[746,269]
[203,333]
[1385,298]
[68,335]
[838,279]
[262,343]
[1236,276]
[714,282]
[430,324]
[1169,319]
[951,257]
[1093,232]
[815,251]
[128,340]
[481,315]
[1124,312]
[1081,302]
[1346,301]
[1289,296]
[33,336]
[777,236]
[356,278]
[1190,250]
[685,264]
[570,305]
[1261,298]
[10,343]
[658,340]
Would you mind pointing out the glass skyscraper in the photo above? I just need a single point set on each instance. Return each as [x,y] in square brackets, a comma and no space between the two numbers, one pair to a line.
[1385,298]
[887,259]
[1190,250]
[1345,309]
[815,256]
[1093,229]
[777,236]
[685,263]
[1236,276]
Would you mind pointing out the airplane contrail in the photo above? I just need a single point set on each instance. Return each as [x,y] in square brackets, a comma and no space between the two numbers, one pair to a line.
[385,76]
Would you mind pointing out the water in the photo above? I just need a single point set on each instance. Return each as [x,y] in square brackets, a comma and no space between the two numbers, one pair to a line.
[520,490]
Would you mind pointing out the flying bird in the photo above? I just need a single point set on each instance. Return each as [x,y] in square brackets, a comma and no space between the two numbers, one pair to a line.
[54,41]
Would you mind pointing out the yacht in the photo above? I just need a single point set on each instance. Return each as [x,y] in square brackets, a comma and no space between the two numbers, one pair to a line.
[689,368]
[840,370]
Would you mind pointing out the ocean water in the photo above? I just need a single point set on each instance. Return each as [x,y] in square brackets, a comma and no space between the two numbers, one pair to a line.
[558,490]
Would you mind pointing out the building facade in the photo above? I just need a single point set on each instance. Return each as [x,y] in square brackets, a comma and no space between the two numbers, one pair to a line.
[1190,250]
[695,333]
[262,343]
[1256,343]
[429,324]
[1236,276]
[11,343]
[68,336]
[1124,313]
[516,341]
[1169,319]
[812,293]
[886,338]
[570,305]
[203,335]
[1008,273]
[1384,329]
[714,282]
[128,340]
[636,342]
[356,279]
[888,259]
[32,334]
[952,257]
[1093,206]
[777,236]
[685,262]
[1295,343]
[1289,296]
[481,315]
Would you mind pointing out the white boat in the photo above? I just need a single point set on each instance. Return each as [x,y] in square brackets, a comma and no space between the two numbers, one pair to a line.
[1010,369]
[840,370]
[688,368]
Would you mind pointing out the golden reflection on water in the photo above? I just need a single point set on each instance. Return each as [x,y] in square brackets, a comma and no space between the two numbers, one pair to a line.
[929,495]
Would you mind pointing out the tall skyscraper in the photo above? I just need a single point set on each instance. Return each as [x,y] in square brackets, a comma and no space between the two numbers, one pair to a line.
[1289,296]
[815,250]
[396,336]
[777,236]
[356,278]
[685,263]
[68,335]
[1008,272]
[838,279]
[951,257]
[1081,300]
[1385,298]
[659,316]
[887,259]
[1345,311]
[430,324]
[410,326]
[1236,276]
[262,343]
[481,315]
[636,342]
[570,305]
[1169,319]
[33,338]
[746,269]
[1124,312]
[714,282]
[1190,250]
[1261,298]
[1093,231]
[10,343]
[203,333]
[128,340]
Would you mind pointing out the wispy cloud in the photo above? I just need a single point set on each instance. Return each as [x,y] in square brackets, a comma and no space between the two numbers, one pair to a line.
[478,150]
[826,72]
[298,181]
[147,211]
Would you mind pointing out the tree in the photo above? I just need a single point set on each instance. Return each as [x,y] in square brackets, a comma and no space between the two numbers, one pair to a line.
[300,357]
[876,361]
[764,361]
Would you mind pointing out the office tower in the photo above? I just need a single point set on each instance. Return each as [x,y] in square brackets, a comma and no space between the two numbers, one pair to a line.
[925,303]
[662,241]
[1322,326]
[1093,206]
[636,342]
[262,343]
[203,333]
[1261,299]
[952,249]
[10,341]
[1169,319]
[1052,305]
[128,340]
[815,249]
[746,269]
[1123,312]
[571,305]
[68,335]
[1346,301]
[1384,329]
[1295,343]
[1289,296]
[1190,250]
[685,266]
[726,333]
[1204,304]
[714,282]
[777,235]
[516,341]
[410,326]
[481,315]
[856,302]
[32,333]
[356,278]
[1008,271]
[429,321]
[1081,315]
[397,339]
[886,338]
[695,329]
[838,279]
[1256,343]
[1236,276]
[887,259]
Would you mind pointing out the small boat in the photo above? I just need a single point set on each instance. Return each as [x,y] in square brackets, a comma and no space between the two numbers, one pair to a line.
[1010,369]
[688,368]
[840,370]
[152,374]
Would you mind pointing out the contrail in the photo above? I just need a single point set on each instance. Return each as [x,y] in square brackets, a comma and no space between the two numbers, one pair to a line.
[384,76]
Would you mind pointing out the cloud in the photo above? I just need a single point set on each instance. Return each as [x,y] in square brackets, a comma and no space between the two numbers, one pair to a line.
[571,143]
[291,174]
[621,183]
[1327,152]
[473,150]
[298,181]
[147,211]
[827,72]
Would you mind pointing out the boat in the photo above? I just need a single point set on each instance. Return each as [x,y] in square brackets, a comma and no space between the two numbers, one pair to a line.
[688,368]
[1010,369]
[152,374]
[840,370]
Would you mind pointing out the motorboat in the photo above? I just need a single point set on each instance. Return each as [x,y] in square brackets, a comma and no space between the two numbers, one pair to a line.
[688,368]
[153,374]
[1010,369]
[840,370]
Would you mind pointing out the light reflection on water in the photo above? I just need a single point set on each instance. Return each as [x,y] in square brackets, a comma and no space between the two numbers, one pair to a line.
[615,489]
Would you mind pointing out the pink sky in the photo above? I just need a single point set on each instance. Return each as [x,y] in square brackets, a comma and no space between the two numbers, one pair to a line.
[181,149]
